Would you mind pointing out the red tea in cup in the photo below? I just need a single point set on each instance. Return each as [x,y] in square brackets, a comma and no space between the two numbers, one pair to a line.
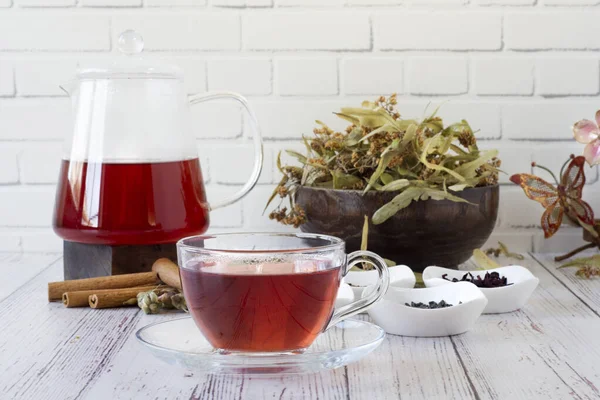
[264,307]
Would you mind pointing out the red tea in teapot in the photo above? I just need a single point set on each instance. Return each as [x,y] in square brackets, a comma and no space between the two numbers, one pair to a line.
[130,203]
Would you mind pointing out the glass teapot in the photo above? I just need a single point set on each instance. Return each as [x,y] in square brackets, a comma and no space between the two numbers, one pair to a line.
[130,172]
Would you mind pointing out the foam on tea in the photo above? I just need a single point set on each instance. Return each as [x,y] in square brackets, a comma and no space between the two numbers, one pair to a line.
[264,307]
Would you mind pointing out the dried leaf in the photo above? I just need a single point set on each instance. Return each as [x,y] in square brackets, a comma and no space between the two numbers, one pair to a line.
[298,156]
[404,199]
[410,134]
[593,261]
[386,157]
[405,172]
[483,261]
[365,234]
[393,186]
[279,162]
[344,181]
[504,250]
[353,137]
[386,178]
[398,203]
[388,127]
[389,262]
[436,167]
[458,187]
[349,118]
[368,118]
[282,182]
[468,170]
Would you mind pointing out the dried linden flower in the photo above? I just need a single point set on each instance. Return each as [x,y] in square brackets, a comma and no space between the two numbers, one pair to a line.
[381,151]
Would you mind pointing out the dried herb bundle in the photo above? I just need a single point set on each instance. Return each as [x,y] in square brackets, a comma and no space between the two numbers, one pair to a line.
[381,151]
[154,301]
[588,266]
[490,280]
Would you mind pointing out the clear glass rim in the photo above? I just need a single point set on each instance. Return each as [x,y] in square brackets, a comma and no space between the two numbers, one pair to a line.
[335,243]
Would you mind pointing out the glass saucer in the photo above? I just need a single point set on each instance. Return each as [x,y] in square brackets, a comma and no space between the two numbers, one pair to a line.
[180,342]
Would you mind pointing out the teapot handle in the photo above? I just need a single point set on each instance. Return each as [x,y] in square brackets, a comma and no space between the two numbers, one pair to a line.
[258,145]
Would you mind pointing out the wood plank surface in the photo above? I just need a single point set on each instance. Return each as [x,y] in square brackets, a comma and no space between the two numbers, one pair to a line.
[19,268]
[547,350]
[50,352]
[587,290]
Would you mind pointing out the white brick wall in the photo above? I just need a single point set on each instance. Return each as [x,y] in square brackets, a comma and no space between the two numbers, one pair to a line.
[520,71]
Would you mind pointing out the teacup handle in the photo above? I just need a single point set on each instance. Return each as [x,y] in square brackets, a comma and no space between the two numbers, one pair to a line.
[362,304]
[258,146]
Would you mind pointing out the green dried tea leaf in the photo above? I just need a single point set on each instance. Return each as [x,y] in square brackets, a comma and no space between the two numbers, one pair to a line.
[386,157]
[458,187]
[386,178]
[344,181]
[504,250]
[419,284]
[354,137]
[405,172]
[593,261]
[282,183]
[349,118]
[368,118]
[398,203]
[382,129]
[298,156]
[458,150]
[365,234]
[279,162]
[410,134]
[436,167]
[389,263]
[483,261]
[396,185]
[434,127]
[469,170]
[436,194]
[404,199]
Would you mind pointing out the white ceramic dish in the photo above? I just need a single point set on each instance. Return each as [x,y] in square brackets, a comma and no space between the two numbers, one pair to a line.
[500,300]
[396,318]
[400,276]
[345,295]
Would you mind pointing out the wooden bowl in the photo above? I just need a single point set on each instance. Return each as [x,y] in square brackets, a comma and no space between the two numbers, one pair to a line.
[431,232]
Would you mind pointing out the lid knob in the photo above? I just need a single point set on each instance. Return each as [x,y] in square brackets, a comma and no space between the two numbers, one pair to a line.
[130,42]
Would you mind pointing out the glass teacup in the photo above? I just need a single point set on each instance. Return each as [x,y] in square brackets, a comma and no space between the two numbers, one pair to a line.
[262,292]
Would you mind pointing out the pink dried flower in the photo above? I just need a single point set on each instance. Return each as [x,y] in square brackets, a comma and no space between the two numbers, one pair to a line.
[588,133]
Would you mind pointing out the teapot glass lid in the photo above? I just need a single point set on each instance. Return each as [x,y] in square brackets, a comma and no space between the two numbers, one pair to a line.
[129,63]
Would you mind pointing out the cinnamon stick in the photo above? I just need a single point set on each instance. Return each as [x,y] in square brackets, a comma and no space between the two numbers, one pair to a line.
[168,272]
[56,289]
[81,298]
[116,297]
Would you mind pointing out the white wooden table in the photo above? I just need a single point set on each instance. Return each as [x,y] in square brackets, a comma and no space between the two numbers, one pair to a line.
[548,350]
